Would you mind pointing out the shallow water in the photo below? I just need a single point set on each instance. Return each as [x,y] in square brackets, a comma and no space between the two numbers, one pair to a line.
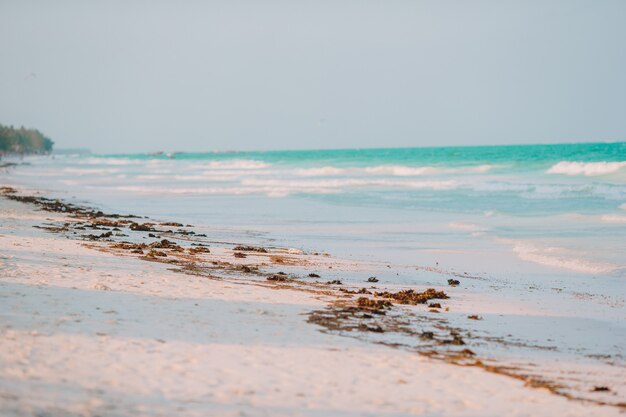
[560,206]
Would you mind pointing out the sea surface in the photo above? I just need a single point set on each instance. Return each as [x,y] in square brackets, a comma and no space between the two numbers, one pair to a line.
[559,208]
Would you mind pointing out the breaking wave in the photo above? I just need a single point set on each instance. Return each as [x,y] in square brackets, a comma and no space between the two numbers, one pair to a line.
[557,257]
[588,169]
[392,170]
[245,164]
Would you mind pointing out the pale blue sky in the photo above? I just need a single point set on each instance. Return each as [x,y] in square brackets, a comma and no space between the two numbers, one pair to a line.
[131,76]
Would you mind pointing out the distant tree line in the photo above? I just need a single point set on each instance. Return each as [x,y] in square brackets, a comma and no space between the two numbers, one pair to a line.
[23,141]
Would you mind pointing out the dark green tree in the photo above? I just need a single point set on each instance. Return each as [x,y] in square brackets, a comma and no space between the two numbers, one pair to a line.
[23,141]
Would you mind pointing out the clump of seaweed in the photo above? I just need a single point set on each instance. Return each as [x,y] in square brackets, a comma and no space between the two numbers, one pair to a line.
[129,246]
[413,297]
[100,236]
[361,291]
[154,253]
[365,328]
[372,304]
[278,277]
[164,244]
[172,224]
[198,249]
[142,227]
[243,248]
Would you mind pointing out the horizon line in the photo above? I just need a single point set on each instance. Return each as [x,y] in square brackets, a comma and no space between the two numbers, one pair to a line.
[233,151]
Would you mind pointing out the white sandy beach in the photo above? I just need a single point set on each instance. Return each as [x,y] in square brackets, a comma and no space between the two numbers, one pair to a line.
[88,333]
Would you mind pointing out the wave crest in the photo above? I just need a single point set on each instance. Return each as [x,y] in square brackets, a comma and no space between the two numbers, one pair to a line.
[393,170]
[588,169]
[562,258]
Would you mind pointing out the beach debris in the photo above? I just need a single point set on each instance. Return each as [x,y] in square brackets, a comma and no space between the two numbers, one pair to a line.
[365,328]
[154,253]
[8,190]
[277,259]
[242,248]
[453,282]
[247,269]
[142,227]
[198,249]
[335,282]
[129,245]
[164,244]
[239,255]
[456,340]
[373,304]
[313,275]
[427,335]
[100,236]
[372,279]
[171,224]
[601,388]
[434,305]
[474,317]
[278,277]
[467,352]
[102,287]
[413,297]
[361,291]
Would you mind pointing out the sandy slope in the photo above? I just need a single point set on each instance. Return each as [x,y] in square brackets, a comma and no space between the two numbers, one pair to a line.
[87,333]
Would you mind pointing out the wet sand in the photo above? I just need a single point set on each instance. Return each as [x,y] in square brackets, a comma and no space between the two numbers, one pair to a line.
[154,318]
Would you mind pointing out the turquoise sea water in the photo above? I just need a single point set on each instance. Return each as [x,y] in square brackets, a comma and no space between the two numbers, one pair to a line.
[562,207]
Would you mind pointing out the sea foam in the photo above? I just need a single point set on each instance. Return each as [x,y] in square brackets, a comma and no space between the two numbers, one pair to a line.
[557,257]
[588,169]
[392,170]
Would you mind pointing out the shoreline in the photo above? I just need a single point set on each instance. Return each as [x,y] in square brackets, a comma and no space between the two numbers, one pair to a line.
[339,309]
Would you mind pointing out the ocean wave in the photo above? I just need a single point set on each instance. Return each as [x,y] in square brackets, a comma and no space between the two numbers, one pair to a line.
[588,169]
[613,218]
[110,161]
[245,164]
[268,191]
[560,258]
[467,227]
[306,185]
[93,171]
[392,170]
[150,177]
[406,171]
[321,172]
[548,191]
[281,188]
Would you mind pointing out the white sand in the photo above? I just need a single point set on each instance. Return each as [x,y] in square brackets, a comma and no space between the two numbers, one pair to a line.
[87,333]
